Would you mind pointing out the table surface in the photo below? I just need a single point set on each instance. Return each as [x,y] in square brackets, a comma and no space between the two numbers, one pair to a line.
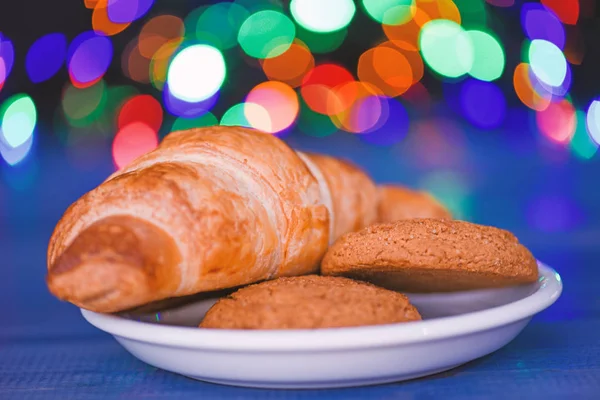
[48,351]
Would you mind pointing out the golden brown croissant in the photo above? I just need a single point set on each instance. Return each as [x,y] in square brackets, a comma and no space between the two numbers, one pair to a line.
[397,203]
[210,208]
[355,196]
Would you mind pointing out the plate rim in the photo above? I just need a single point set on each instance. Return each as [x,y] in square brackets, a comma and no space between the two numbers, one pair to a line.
[331,339]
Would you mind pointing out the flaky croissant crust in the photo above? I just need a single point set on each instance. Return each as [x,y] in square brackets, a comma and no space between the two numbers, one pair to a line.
[239,206]
[209,209]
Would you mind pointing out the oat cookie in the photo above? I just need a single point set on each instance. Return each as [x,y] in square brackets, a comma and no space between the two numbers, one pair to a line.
[432,255]
[309,302]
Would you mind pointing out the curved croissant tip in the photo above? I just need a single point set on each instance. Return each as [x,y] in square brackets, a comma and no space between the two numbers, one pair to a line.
[98,285]
[115,264]
[104,268]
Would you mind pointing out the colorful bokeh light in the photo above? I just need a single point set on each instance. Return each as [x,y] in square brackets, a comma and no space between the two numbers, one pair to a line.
[134,65]
[383,103]
[88,114]
[236,115]
[7,58]
[133,141]
[89,56]
[15,155]
[115,97]
[526,91]
[387,68]
[418,96]
[558,121]
[416,66]
[392,126]
[314,124]
[482,104]
[158,31]
[550,91]
[2,73]
[547,62]
[291,66]
[439,9]
[390,12]
[266,34]
[218,25]
[186,109]
[46,56]
[489,60]
[567,11]
[159,65]
[196,73]
[452,189]
[101,21]
[318,87]
[323,16]
[541,23]
[81,106]
[406,35]
[447,48]
[141,108]
[321,43]
[90,4]
[582,144]
[208,119]
[593,120]
[279,101]
[473,13]
[190,21]
[187,59]
[126,11]
[19,116]
[359,107]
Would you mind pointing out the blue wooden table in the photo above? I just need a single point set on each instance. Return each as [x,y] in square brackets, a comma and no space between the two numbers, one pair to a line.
[48,351]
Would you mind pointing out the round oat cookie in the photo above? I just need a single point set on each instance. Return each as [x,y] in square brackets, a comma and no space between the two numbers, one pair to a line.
[432,255]
[309,302]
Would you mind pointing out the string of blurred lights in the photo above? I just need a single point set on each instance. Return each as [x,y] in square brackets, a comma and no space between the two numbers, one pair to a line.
[185,62]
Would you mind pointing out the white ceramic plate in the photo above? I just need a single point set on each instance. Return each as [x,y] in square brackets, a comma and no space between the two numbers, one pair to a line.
[457,328]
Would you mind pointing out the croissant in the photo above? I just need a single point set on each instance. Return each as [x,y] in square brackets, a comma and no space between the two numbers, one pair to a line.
[398,202]
[210,208]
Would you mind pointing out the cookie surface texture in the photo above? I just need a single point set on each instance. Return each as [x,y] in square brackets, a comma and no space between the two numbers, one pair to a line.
[309,302]
[432,255]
